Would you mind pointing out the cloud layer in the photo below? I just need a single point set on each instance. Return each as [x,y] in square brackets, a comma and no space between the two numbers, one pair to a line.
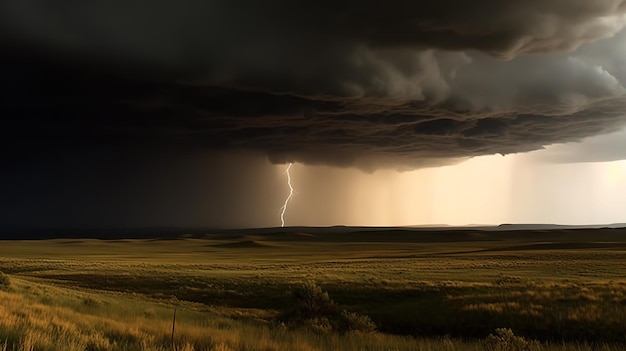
[402,85]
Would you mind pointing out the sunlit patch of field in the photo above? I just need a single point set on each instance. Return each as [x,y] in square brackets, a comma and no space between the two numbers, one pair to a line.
[230,291]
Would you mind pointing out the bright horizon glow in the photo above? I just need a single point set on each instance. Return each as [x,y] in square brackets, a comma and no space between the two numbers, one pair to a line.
[485,190]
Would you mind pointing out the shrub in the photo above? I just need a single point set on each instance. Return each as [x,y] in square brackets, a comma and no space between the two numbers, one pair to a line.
[312,302]
[90,302]
[5,282]
[313,308]
[352,321]
[505,340]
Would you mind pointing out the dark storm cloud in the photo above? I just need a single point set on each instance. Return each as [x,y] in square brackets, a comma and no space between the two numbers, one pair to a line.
[399,84]
[307,47]
[330,130]
[502,28]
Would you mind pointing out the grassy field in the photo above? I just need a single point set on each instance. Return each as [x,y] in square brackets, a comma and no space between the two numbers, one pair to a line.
[424,290]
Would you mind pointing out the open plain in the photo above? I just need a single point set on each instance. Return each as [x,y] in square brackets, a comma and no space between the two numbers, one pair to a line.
[402,289]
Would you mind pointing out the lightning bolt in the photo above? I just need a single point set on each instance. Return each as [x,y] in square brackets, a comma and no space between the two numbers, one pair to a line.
[284,208]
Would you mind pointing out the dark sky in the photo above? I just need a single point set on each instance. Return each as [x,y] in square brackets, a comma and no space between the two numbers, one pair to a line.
[156,113]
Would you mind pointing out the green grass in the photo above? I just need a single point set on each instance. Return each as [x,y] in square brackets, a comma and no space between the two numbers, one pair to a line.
[231,291]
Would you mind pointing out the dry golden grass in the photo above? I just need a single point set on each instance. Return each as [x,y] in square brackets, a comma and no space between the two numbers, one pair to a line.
[70,320]
[117,323]
[99,295]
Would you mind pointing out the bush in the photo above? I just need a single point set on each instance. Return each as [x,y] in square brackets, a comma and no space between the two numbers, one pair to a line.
[5,282]
[505,340]
[352,321]
[312,302]
[313,308]
[90,302]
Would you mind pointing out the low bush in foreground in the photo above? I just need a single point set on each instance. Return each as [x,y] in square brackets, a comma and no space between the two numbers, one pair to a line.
[505,340]
[313,308]
[5,282]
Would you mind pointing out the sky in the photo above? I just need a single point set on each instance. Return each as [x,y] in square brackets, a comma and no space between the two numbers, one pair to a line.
[187,113]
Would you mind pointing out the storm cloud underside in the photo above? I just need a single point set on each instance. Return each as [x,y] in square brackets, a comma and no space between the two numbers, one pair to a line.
[401,85]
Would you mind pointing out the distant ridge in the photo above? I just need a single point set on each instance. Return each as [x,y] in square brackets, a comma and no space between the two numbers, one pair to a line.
[557,226]
[101,233]
[174,232]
